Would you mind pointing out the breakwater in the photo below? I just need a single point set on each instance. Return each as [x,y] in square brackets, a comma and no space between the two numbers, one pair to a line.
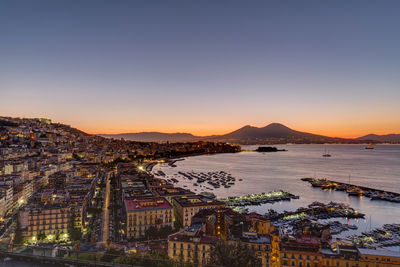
[354,190]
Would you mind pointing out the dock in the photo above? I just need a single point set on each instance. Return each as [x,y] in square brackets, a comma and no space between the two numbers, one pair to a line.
[355,190]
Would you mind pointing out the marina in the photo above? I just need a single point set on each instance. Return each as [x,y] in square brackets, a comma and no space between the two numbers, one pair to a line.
[257,173]
[317,211]
[316,216]
[354,190]
[386,236]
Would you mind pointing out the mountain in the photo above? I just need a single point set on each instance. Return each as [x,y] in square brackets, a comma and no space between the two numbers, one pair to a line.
[391,138]
[273,133]
[153,137]
[273,130]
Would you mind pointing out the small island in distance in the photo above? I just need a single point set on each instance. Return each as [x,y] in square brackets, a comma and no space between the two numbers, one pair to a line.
[268,149]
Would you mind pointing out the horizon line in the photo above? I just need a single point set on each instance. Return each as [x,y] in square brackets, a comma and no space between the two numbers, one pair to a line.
[198,134]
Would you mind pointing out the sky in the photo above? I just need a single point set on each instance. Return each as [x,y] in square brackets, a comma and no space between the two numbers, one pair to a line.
[205,67]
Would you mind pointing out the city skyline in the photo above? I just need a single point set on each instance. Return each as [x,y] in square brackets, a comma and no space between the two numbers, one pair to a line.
[204,68]
[200,133]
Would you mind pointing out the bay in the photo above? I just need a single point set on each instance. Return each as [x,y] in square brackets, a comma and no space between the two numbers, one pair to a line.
[263,172]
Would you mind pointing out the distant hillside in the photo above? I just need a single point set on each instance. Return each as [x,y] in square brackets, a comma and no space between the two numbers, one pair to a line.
[271,134]
[274,133]
[391,138]
[154,137]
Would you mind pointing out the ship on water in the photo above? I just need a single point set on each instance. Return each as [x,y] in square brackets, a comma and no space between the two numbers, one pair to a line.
[326,155]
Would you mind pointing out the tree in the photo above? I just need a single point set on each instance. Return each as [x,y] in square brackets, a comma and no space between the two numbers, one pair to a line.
[94,211]
[151,232]
[111,254]
[74,233]
[151,259]
[234,255]
[165,231]
[18,233]
[41,236]
[58,236]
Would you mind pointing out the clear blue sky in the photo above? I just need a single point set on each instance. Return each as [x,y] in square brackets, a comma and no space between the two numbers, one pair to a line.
[329,67]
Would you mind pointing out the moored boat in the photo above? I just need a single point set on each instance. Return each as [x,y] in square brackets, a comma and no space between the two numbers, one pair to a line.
[354,191]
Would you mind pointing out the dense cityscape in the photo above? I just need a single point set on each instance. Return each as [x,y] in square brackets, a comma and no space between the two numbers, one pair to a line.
[70,197]
[199,133]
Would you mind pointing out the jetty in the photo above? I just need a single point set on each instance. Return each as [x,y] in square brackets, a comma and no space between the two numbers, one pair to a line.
[258,199]
[354,190]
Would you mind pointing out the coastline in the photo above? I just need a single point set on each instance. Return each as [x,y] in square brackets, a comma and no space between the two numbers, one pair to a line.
[150,165]
[170,161]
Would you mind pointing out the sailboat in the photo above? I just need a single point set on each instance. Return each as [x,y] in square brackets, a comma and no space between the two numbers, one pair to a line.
[327,155]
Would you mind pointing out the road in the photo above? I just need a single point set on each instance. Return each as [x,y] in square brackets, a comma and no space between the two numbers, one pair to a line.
[106,213]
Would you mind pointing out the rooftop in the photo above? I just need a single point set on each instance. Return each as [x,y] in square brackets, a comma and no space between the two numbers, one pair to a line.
[199,237]
[147,204]
[174,191]
[197,200]
[378,252]
[257,239]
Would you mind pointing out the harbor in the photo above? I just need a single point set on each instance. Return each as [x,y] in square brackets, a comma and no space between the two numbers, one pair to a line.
[386,236]
[275,171]
[317,211]
[316,216]
[354,190]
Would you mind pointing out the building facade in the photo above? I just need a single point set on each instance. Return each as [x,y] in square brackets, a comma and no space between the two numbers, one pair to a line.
[141,214]
[186,207]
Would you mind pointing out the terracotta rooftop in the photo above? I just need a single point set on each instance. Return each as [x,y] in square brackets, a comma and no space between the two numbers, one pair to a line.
[147,204]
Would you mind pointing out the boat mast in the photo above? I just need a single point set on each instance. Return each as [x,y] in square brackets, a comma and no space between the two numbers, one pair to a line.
[370,216]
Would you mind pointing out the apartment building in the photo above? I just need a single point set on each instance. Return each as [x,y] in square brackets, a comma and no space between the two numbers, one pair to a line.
[146,212]
[191,245]
[185,207]
[170,193]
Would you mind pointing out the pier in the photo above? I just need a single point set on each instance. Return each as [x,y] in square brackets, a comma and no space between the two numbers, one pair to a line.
[258,199]
[355,190]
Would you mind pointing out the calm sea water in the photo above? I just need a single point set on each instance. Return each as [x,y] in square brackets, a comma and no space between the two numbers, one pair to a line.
[263,172]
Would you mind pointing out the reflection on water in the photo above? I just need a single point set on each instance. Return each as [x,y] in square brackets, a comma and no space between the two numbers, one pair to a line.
[263,172]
